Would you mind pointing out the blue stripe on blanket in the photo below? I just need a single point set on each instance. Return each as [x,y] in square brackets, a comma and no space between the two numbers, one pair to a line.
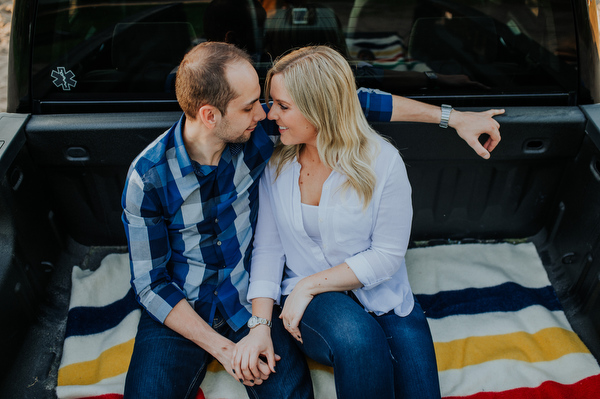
[84,320]
[507,297]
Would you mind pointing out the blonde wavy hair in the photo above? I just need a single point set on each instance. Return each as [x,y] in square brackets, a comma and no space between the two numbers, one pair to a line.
[322,85]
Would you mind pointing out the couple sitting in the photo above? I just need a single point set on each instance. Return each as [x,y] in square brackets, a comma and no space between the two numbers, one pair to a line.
[318,269]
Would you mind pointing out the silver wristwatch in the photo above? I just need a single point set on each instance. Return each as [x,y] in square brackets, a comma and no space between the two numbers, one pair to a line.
[446,110]
[255,320]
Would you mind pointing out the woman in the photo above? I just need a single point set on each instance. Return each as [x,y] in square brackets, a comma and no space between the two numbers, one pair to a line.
[333,228]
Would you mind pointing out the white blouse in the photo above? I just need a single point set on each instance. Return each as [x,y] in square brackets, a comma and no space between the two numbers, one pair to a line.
[372,241]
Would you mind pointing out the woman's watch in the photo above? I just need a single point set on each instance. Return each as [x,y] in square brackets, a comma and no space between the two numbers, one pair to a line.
[255,320]
[446,110]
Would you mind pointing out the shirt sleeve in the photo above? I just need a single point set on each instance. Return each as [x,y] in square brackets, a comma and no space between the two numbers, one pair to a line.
[391,232]
[376,104]
[149,249]
[268,257]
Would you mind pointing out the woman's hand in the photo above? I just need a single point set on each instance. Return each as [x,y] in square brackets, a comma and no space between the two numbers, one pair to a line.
[247,363]
[294,308]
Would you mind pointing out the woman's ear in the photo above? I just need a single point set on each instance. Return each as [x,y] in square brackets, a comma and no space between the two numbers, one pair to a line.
[209,115]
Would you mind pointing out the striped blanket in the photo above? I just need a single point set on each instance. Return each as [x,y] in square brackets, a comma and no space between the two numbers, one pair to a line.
[498,329]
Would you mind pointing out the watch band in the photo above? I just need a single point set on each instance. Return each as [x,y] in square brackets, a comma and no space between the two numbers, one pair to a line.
[255,321]
[446,110]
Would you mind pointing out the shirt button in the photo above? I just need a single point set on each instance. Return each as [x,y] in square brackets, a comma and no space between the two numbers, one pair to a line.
[217,220]
[219,243]
[216,292]
[320,220]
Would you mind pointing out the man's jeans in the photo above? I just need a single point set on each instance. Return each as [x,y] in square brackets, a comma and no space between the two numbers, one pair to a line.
[373,356]
[166,365]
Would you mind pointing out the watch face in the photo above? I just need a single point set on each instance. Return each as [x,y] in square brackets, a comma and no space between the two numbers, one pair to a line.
[252,322]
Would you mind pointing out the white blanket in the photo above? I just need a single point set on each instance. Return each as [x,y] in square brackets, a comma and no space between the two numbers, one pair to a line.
[498,329]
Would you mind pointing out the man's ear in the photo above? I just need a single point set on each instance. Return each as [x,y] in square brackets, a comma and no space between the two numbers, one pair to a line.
[209,115]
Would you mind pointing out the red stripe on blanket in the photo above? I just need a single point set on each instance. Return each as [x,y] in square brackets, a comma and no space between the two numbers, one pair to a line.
[119,396]
[588,388]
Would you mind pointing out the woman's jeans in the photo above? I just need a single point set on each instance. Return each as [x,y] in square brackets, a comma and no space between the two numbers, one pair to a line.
[166,365]
[372,356]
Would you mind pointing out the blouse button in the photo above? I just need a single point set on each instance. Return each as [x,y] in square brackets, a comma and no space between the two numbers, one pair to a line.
[219,243]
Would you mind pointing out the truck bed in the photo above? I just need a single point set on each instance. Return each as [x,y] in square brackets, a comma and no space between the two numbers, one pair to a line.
[35,372]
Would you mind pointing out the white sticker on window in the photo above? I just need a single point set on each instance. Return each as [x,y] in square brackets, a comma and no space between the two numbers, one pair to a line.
[63,78]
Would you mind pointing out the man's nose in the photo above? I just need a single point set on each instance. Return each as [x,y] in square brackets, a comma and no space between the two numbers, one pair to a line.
[260,115]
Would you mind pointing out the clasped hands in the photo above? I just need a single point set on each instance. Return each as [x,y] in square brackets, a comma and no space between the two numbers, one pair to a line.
[254,358]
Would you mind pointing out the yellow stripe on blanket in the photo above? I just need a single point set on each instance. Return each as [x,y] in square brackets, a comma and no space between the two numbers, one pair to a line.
[110,363]
[545,345]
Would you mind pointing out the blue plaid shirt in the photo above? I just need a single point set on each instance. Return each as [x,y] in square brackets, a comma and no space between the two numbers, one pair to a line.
[189,226]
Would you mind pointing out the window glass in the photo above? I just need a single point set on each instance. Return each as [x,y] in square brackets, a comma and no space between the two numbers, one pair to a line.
[472,49]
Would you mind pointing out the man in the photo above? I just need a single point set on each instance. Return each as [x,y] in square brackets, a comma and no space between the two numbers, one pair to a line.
[190,205]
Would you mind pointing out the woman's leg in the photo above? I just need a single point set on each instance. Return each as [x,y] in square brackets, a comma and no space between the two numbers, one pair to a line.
[337,332]
[415,367]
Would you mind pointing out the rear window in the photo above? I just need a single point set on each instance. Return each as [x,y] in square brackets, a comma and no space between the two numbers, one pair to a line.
[475,51]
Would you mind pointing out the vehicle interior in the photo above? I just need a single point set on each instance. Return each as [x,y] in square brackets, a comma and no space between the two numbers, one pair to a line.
[496,48]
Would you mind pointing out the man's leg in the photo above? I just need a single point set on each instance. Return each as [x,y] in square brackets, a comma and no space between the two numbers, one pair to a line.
[164,364]
[292,377]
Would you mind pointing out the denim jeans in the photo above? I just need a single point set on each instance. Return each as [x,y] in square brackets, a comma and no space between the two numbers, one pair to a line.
[166,365]
[372,356]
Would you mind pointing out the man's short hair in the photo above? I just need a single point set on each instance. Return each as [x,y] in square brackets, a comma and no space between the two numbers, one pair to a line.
[201,77]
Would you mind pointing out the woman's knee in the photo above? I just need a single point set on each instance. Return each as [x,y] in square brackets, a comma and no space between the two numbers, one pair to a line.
[344,327]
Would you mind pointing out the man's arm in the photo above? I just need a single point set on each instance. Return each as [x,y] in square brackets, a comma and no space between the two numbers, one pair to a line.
[468,125]
[184,320]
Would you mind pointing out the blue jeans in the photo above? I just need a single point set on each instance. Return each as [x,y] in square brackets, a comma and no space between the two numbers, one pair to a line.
[166,365]
[372,356]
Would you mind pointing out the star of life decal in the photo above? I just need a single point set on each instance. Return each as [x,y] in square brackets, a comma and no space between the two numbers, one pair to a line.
[63,78]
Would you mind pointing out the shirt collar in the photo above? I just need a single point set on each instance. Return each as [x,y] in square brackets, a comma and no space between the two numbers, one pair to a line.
[183,159]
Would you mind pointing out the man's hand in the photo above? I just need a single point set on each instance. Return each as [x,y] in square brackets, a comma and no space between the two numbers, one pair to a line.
[247,364]
[471,125]
[468,125]
[184,320]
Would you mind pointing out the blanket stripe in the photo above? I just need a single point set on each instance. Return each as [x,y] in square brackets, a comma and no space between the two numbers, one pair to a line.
[529,320]
[504,375]
[112,362]
[507,297]
[543,346]
[584,389]
[499,330]
[85,320]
